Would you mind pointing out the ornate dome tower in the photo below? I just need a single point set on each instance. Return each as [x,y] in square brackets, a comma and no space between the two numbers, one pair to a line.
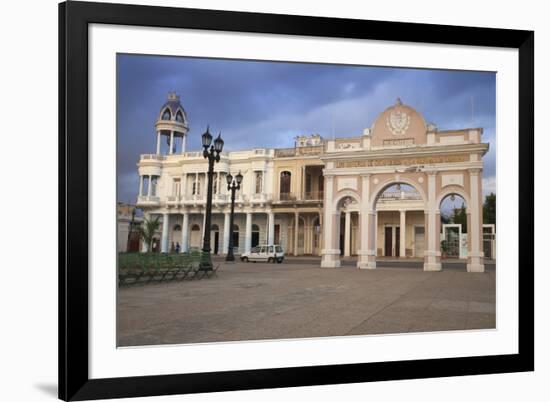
[172,122]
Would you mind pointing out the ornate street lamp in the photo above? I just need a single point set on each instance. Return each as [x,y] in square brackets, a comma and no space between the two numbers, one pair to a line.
[212,153]
[232,185]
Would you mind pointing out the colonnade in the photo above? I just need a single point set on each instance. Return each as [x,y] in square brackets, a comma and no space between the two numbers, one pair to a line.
[166,224]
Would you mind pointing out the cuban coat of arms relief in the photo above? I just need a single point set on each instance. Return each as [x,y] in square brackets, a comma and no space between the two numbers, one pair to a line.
[398,122]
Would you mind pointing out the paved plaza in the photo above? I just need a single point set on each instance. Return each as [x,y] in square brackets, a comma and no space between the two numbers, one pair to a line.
[298,299]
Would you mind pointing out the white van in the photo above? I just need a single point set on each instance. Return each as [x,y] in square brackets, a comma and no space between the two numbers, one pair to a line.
[273,253]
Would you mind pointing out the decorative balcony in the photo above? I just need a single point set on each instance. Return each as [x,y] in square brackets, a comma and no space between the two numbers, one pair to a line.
[259,198]
[194,199]
[286,197]
[152,157]
[313,196]
[173,200]
[148,200]
[220,198]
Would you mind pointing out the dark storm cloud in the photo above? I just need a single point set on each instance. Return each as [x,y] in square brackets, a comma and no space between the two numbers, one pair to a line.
[266,104]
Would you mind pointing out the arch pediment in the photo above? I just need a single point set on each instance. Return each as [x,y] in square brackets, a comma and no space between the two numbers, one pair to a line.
[399,123]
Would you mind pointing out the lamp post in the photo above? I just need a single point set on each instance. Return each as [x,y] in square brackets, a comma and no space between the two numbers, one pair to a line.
[212,153]
[232,185]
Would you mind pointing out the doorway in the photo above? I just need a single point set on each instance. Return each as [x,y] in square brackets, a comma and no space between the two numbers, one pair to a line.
[255,235]
[388,241]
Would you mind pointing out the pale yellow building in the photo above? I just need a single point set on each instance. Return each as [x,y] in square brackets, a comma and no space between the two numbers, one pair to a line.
[377,194]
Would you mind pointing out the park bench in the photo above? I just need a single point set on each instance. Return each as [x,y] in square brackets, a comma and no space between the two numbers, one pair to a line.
[145,268]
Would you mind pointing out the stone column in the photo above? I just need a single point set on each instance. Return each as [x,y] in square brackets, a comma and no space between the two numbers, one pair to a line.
[367,226]
[171,150]
[184,186]
[347,234]
[164,240]
[140,185]
[402,235]
[432,253]
[149,185]
[158,142]
[248,233]
[185,233]
[296,226]
[270,228]
[225,246]
[321,238]
[330,252]
[475,254]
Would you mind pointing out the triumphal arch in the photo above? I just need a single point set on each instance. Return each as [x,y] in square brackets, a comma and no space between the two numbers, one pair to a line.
[401,151]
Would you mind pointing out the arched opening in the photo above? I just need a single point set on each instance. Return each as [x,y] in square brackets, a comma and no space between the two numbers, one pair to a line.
[399,221]
[195,237]
[179,117]
[215,238]
[175,245]
[235,238]
[255,235]
[453,233]
[348,217]
[166,115]
[284,185]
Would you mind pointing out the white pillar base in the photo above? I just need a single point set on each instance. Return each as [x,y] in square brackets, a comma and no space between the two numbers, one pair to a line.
[330,259]
[330,264]
[432,266]
[366,259]
[366,264]
[475,267]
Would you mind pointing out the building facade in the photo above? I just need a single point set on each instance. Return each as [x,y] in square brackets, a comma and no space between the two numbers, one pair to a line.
[372,195]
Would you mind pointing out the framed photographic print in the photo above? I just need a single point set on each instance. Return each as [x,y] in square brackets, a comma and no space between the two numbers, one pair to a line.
[258,201]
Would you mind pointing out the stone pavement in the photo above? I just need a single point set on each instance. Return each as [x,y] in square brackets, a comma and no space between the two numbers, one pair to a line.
[277,301]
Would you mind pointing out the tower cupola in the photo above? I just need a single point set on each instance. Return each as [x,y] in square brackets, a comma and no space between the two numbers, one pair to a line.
[172,123]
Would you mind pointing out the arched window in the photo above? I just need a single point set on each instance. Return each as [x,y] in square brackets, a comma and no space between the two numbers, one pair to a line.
[284,186]
[195,237]
[215,228]
[177,228]
[166,114]
[179,116]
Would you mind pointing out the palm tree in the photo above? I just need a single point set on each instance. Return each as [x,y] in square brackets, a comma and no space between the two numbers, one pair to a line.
[147,231]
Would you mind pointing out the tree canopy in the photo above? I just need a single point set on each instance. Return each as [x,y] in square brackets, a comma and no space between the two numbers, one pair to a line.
[490,208]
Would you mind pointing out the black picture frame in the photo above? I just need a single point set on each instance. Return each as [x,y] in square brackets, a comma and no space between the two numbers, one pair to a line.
[74,18]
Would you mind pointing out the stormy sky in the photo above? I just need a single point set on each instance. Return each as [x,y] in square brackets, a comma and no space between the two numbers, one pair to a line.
[266,104]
